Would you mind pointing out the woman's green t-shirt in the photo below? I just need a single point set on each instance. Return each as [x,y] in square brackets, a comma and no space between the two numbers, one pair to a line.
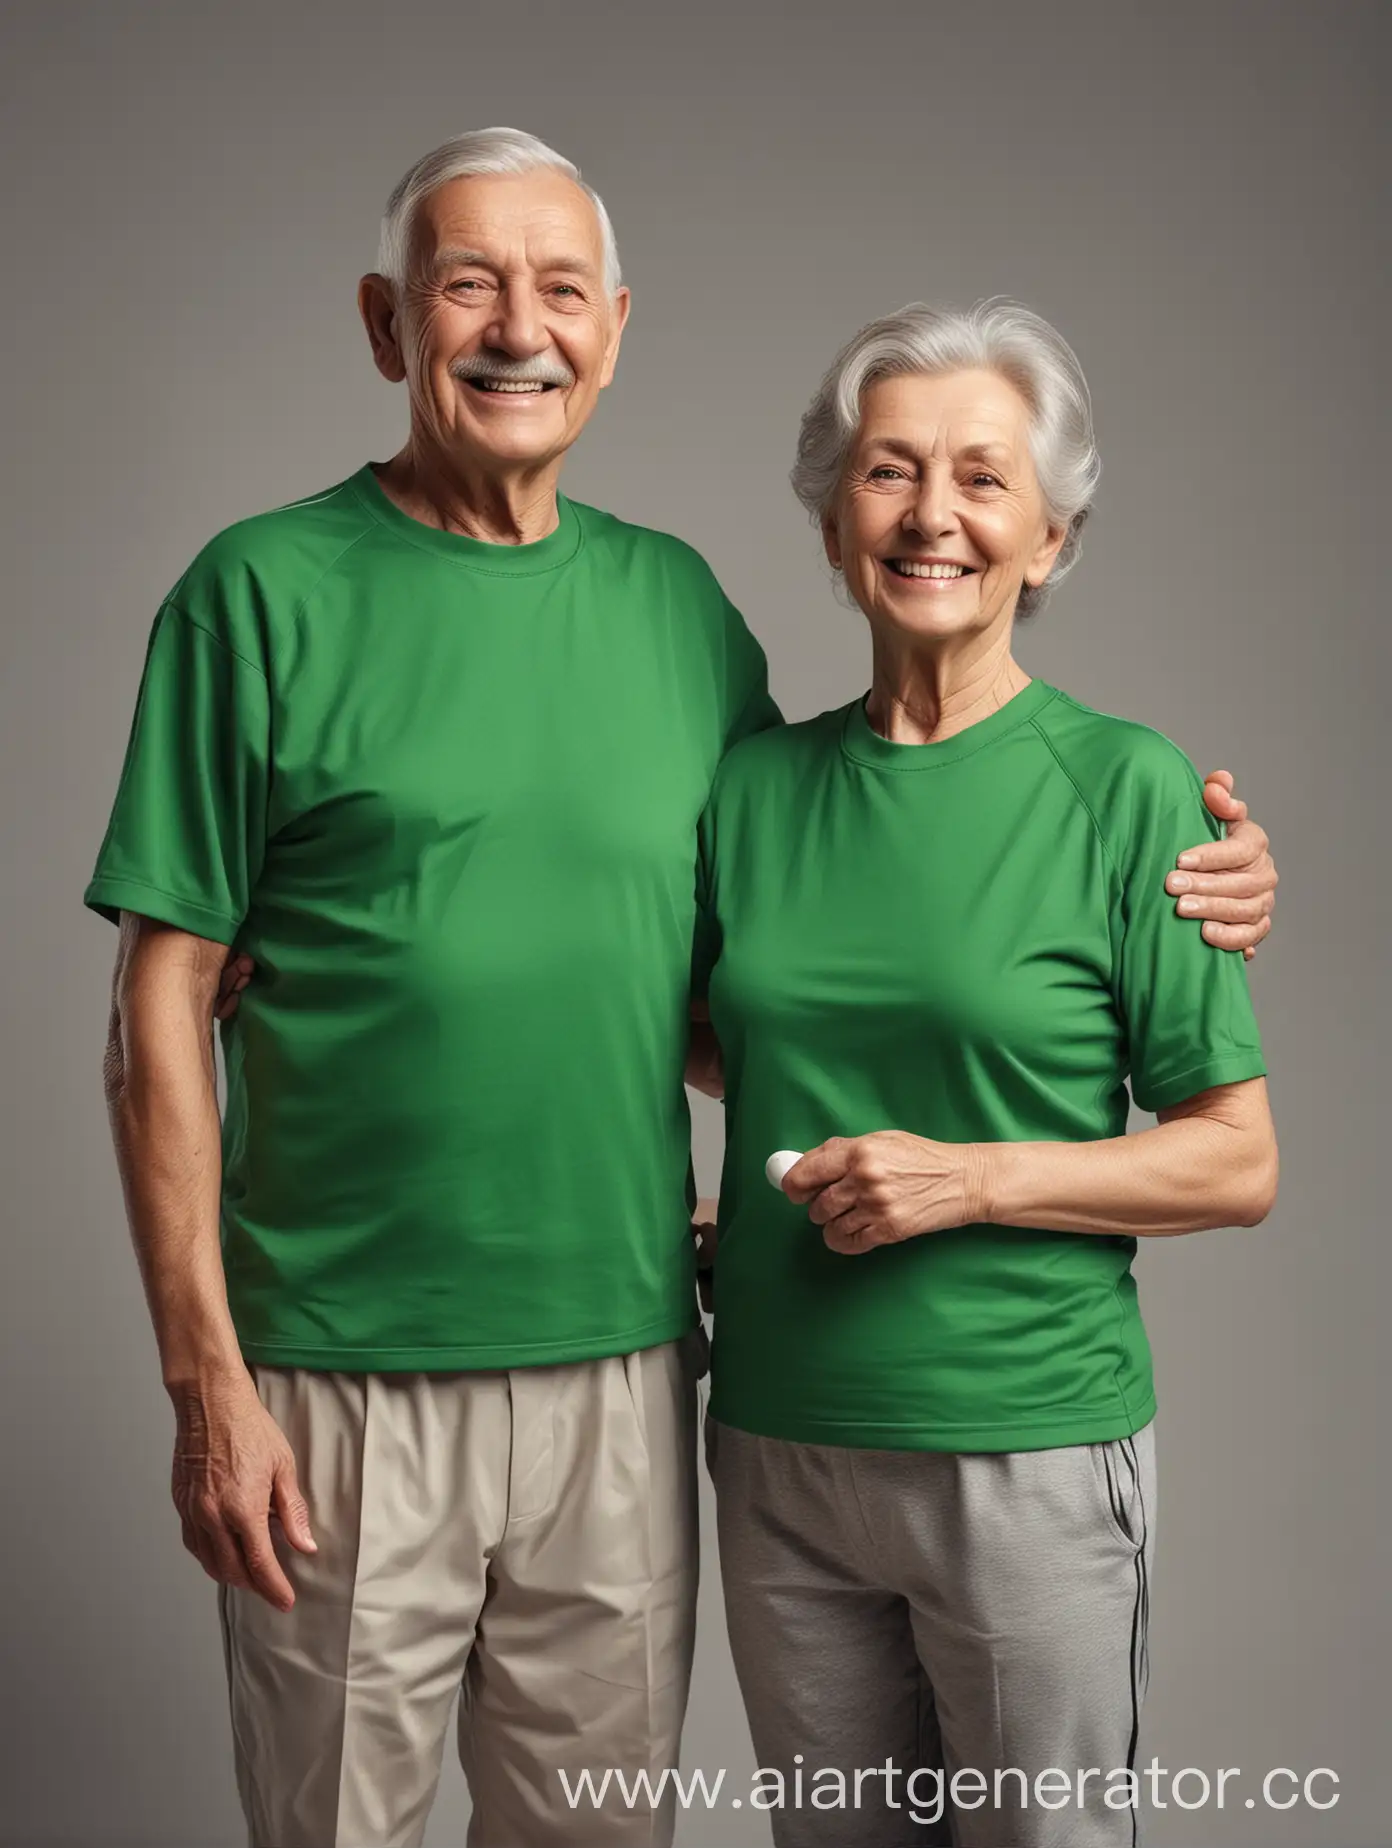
[969,941]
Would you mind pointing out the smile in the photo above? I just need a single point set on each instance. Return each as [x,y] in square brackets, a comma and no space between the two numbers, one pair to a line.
[912,568]
[512,388]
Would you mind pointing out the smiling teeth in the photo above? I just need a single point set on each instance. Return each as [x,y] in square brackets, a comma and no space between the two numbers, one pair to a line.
[908,567]
[508,384]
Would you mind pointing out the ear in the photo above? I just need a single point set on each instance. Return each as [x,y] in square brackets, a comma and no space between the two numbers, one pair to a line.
[831,541]
[377,306]
[623,301]
[1045,556]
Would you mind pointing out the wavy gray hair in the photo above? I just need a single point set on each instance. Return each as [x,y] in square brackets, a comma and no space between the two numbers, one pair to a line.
[999,336]
[480,151]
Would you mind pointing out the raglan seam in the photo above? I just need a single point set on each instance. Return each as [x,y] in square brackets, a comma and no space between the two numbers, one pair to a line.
[177,609]
[1102,841]
[1087,807]
[303,604]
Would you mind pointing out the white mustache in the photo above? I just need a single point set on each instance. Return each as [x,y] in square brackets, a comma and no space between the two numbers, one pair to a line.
[542,370]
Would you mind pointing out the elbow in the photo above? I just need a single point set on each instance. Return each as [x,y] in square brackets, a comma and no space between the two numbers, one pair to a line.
[1256,1194]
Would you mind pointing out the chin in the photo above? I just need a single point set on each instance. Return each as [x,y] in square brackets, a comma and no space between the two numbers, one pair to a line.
[936,624]
[517,447]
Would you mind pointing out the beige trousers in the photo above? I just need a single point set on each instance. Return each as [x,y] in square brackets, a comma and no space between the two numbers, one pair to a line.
[525,1540]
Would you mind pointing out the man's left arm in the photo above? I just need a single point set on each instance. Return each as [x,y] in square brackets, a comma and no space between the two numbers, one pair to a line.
[1230,884]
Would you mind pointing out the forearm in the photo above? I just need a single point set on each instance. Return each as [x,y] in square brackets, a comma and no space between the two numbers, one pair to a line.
[1213,1167]
[162,1100]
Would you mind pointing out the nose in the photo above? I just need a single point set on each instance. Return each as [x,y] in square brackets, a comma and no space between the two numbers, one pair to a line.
[933,513]
[517,327]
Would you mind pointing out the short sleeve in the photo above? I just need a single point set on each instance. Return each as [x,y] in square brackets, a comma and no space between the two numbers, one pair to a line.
[188,829]
[749,706]
[1186,1006]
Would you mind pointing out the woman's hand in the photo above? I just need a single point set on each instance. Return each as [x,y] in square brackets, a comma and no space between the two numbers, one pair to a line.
[882,1188]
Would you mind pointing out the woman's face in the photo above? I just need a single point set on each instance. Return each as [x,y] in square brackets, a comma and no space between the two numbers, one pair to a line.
[939,520]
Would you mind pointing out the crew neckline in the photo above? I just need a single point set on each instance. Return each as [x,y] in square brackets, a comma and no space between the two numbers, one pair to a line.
[557,548]
[860,740]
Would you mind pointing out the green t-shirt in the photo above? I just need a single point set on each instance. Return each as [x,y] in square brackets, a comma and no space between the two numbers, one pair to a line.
[446,793]
[969,941]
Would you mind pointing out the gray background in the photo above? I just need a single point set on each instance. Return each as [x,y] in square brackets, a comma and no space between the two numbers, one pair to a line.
[1189,192]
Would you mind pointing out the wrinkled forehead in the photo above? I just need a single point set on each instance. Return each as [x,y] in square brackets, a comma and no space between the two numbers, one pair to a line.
[540,219]
[945,412]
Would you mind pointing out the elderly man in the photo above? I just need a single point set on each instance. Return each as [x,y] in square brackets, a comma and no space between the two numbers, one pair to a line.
[431,747]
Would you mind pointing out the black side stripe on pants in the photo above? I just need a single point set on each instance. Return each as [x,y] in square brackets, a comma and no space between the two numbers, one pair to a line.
[1140,1626]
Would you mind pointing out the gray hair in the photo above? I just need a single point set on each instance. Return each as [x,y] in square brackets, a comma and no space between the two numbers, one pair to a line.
[999,336]
[480,151]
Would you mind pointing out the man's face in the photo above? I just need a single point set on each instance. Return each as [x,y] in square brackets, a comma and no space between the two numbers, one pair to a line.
[505,332]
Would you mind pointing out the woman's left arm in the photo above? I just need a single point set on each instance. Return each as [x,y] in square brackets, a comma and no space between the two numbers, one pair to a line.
[1209,1161]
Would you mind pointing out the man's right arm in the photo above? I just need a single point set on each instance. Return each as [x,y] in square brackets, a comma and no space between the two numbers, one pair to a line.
[233,1467]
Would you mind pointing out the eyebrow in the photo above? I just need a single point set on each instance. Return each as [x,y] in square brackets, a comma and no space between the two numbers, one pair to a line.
[476,259]
[459,259]
[974,452]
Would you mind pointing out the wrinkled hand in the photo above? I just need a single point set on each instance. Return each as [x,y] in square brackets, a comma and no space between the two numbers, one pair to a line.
[233,1471]
[703,1233]
[1230,883]
[882,1188]
[237,971]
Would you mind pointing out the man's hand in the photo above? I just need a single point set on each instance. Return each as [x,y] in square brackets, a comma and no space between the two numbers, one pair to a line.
[1230,883]
[882,1188]
[236,973]
[234,1471]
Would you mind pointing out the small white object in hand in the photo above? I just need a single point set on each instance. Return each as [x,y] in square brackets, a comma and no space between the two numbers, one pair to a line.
[778,1165]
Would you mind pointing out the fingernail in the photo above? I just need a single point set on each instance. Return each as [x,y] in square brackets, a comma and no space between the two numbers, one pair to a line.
[1187,859]
[1189,905]
[1179,883]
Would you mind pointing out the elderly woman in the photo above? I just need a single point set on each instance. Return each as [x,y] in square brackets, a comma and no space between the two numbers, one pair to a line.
[938,965]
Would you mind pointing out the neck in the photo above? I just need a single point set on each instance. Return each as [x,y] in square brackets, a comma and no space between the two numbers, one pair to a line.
[922,693]
[513,507]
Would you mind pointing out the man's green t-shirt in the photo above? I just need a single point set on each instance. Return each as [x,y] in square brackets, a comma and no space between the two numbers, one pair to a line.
[446,793]
[969,941]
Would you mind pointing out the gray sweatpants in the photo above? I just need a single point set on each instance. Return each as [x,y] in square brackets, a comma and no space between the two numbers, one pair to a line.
[978,1615]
